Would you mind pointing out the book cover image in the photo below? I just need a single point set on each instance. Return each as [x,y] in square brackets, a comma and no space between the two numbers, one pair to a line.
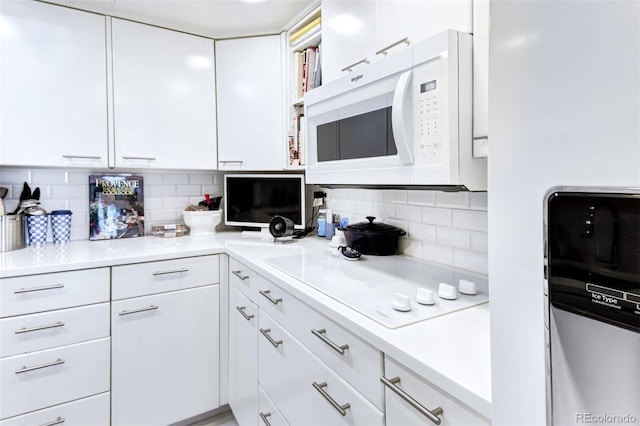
[116,208]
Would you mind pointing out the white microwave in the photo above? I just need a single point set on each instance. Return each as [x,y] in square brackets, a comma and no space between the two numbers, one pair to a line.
[404,120]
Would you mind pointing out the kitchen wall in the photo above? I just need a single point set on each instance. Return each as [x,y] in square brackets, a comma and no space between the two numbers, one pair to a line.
[165,193]
[444,227]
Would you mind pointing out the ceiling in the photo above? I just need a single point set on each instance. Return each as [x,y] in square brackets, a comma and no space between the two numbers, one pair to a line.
[211,18]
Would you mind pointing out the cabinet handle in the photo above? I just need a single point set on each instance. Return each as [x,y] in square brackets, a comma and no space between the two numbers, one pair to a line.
[264,416]
[139,158]
[239,275]
[38,367]
[173,271]
[40,327]
[57,421]
[321,334]
[83,157]
[350,67]
[46,287]
[342,409]
[266,293]
[430,414]
[135,311]
[384,49]
[231,161]
[265,332]
[244,314]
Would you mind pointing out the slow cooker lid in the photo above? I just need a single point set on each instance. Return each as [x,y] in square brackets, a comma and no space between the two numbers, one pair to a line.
[375,227]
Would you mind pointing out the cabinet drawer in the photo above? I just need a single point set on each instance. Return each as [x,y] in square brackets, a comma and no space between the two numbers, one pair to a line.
[143,279]
[267,412]
[353,359]
[243,278]
[401,413]
[29,333]
[302,386]
[45,292]
[94,410]
[46,378]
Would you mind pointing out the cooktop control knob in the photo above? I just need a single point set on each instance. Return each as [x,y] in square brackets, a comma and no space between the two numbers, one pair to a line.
[401,302]
[425,296]
[446,291]
[467,287]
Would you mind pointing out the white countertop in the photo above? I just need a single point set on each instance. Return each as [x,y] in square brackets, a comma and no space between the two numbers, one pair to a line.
[451,351]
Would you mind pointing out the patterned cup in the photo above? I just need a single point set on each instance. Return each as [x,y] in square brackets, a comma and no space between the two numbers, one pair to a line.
[61,226]
[37,227]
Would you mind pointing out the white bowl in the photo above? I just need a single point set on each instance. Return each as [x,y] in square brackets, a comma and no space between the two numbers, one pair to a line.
[202,223]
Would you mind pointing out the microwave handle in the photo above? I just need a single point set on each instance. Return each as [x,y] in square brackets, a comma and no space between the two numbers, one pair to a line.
[402,117]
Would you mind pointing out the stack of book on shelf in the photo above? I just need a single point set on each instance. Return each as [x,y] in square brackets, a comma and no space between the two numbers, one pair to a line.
[308,71]
[313,23]
[296,141]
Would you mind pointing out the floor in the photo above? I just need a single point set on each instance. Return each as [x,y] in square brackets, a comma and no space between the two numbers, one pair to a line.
[222,419]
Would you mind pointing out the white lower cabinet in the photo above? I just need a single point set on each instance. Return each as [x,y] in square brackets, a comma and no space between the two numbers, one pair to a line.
[411,400]
[305,390]
[45,378]
[267,411]
[165,356]
[243,359]
[94,410]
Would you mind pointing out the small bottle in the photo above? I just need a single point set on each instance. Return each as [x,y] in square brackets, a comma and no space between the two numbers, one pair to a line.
[322,223]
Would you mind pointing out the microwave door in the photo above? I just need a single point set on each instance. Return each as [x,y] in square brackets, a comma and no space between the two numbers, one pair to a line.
[401,117]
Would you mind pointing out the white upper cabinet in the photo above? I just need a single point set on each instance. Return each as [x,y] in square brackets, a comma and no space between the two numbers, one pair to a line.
[355,31]
[249,75]
[481,74]
[163,98]
[53,86]
[348,36]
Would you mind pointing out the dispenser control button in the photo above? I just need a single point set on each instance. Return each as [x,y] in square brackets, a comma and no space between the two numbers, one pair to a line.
[401,302]
[447,291]
[467,287]
[425,297]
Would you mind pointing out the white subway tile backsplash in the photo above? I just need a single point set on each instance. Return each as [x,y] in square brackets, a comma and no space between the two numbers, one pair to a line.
[479,241]
[478,200]
[394,196]
[372,195]
[78,178]
[153,203]
[397,223]
[453,237]
[356,194]
[175,202]
[338,193]
[175,178]
[421,198]
[422,232]
[213,190]
[408,213]
[458,200]
[159,190]
[55,204]
[436,216]
[384,210]
[436,253]
[151,178]
[188,190]
[68,191]
[50,177]
[410,247]
[470,260]
[364,207]
[470,219]
[202,179]
[152,216]
[14,176]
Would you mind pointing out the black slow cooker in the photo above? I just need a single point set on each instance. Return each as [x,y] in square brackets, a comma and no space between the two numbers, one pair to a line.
[372,237]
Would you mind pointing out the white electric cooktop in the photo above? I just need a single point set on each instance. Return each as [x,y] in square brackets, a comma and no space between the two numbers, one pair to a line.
[369,285]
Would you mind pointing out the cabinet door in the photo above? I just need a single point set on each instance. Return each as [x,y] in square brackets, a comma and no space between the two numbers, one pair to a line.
[164,98]
[249,75]
[243,358]
[348,36]
[165,356]
[53,108]
[419,19]
[481,71]
[409,385]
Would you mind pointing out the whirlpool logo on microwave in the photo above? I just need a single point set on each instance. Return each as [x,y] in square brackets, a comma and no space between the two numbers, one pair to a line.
[356,78]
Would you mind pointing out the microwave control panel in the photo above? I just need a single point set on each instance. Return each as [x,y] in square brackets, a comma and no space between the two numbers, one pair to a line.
[430,120]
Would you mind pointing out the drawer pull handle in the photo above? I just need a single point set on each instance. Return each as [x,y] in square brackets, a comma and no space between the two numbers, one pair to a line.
[40,327]
[82,157]
[384,49]
[230,161]
[239,275]
[139,158]
[46,287]
[321,334]
[173,271]
[342,409]
[430,414]
[267,294]
[26,369]
[57,421]
[264,416]
[350,67]
[135,311]
[244,314]
[265,332]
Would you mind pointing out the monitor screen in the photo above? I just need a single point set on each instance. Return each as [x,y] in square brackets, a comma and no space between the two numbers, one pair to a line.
[253,200]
